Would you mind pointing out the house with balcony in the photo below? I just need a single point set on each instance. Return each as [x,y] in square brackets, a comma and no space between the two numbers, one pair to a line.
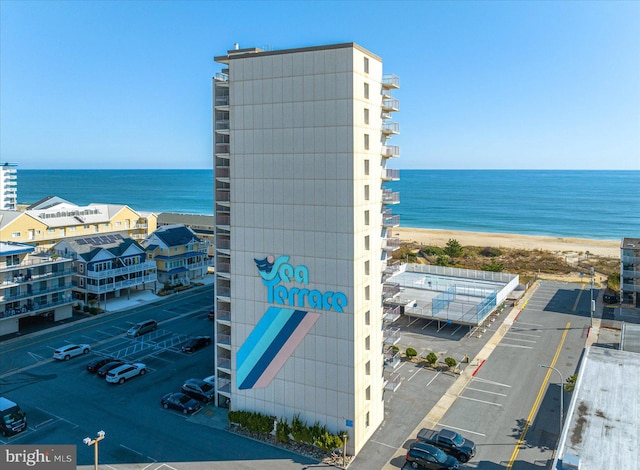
[53,219]
[107,266]
[180,255]
[630,271]
[33,283]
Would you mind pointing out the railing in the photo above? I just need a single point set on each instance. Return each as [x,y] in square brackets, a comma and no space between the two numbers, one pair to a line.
[223,267]
[391,335]
[391,314]
[223,196]
[631,259]
[223,148]
[222,125]
[390,220]
[224,363]
[222,100]
[223,172]
[113,286]
[390,128]
[390,81]
[223,315]
[134,268]
[223,219]
[390,288]
[390,151]
[37,306]
[390,174]
[390,197]
[391,105]
[392,358]
[223,291]
[36,293]
[631,273]
[35,260]
[221,77]
[391,244]
[221,338]
[223,244]
[631,287]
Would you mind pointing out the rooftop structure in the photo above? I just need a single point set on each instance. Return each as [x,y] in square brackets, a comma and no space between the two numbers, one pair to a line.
[603,421]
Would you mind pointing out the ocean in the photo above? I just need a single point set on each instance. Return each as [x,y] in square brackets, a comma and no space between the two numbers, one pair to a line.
[584,204]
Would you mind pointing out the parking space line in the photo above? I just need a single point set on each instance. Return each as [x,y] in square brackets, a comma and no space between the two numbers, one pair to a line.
[58,417]
[532,324]
[519,339]
[47,421]
[463,430]
[490,382]
[414,374]
[383,444]
[481,401]
[514,345]
[454,331]
[486,391]
[434,378]
[134,451]
[524,334]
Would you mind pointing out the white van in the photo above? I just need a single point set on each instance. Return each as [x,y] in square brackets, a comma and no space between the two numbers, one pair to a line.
[12,419]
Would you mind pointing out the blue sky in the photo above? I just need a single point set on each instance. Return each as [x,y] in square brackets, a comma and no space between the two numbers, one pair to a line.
[507,84]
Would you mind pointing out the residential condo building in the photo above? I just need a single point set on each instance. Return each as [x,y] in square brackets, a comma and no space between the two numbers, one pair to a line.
[302,231]
[630,271]
[8,186]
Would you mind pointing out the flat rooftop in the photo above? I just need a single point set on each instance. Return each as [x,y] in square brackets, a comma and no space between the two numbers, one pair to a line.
[603,420]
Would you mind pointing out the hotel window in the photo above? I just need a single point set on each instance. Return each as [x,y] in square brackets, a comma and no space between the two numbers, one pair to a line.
[367,368]
[366,217]
[366,242]
[366,65]
[366,115]
[87,227]
[367,317]
[366,141]
[366,91]
[366,268]
[366,420]
[366,167]
[367,393]
[367,293]
[366,192]
[367,343]
[118,224]
[51,230]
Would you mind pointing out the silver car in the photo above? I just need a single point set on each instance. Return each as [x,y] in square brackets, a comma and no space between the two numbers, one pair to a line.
[124,372]
[71,350]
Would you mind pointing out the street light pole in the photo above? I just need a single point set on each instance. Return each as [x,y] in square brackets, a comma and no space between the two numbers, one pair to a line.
[561,394]
[94,442]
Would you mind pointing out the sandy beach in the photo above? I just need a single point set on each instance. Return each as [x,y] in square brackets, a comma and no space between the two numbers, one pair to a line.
[607,248]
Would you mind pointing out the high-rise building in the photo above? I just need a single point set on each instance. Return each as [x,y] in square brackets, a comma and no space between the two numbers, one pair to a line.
[8,186]
[302,232]
[630,271]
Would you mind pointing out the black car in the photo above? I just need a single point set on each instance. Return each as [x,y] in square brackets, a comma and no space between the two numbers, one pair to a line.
[94,366]
[212,314]
[181,402]
[196,343]
[102,372]
[199,390]
[422,455]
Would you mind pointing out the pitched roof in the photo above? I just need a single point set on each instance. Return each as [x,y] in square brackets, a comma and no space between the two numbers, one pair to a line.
[176,235]
[115,243]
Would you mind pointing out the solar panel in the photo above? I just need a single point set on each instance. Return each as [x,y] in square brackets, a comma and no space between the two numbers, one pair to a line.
[81,241]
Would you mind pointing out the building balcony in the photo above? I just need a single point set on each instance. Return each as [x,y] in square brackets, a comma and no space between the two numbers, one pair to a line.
[630,274]
[626,259]
[391,314]
[222,126]
[391,335]
[36,293]
[390,105]
[223,195]
[36,307]
[125,270]
[630,287]
[224,364]
[389,289]
[390,128]
[390,81]
[119,285]
[221,79]
[223,219]
[223,316]
[390,220]
[390,197]
[391,244]
[223,268]
[389,174]
[222,149]
[223,339]
[222,102]
[390,151]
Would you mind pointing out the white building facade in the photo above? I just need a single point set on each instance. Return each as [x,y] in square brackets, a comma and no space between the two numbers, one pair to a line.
[8,186]
[301,233]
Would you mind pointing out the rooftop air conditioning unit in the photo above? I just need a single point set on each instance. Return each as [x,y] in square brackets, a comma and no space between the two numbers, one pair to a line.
[570,462]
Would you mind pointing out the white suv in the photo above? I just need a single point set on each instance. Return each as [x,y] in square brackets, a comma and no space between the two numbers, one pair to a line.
[125,371]
[71,350]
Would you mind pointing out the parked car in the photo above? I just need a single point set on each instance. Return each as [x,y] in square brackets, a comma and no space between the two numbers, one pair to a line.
[610,298]
[421,455]
[125,371]
[71,350]
[211,380]
[449,441]
[196,343]
[199,390]
[96,364]
[142,328]
[102,372]
[181,402]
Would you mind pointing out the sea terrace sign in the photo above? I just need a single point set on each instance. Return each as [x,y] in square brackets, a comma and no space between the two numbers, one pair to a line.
[277,272]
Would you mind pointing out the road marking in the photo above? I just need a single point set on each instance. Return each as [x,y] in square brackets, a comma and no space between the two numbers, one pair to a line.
[534,408]
[434,378]
[135,451]
[43,423]
[524,334]
[486,391]
[481,401]
[414,374]
[491,382]
[383,444]
[525,323]
[454,331]
[520,339]
[514,345]
[463,430]
[36,357]
[578,298]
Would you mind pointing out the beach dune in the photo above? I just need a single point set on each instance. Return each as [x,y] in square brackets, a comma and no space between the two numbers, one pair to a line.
[606,248]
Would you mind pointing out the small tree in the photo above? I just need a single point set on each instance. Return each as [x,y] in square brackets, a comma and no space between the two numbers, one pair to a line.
[453,248]
[494,266]
[451,362]
[282,430]
[432,358]
[411,353]
[570,383]
[442,261]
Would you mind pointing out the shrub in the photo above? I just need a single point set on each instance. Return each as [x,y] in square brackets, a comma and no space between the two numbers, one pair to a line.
[451,362]
[570,383]
[494,266]
[491,251]
[432,251]
[453,248]
[442,261]
[432,358]
[94,310]
[411,353]
[394,348]
[86,308]
[328,442]
[283,430]
[300,431]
